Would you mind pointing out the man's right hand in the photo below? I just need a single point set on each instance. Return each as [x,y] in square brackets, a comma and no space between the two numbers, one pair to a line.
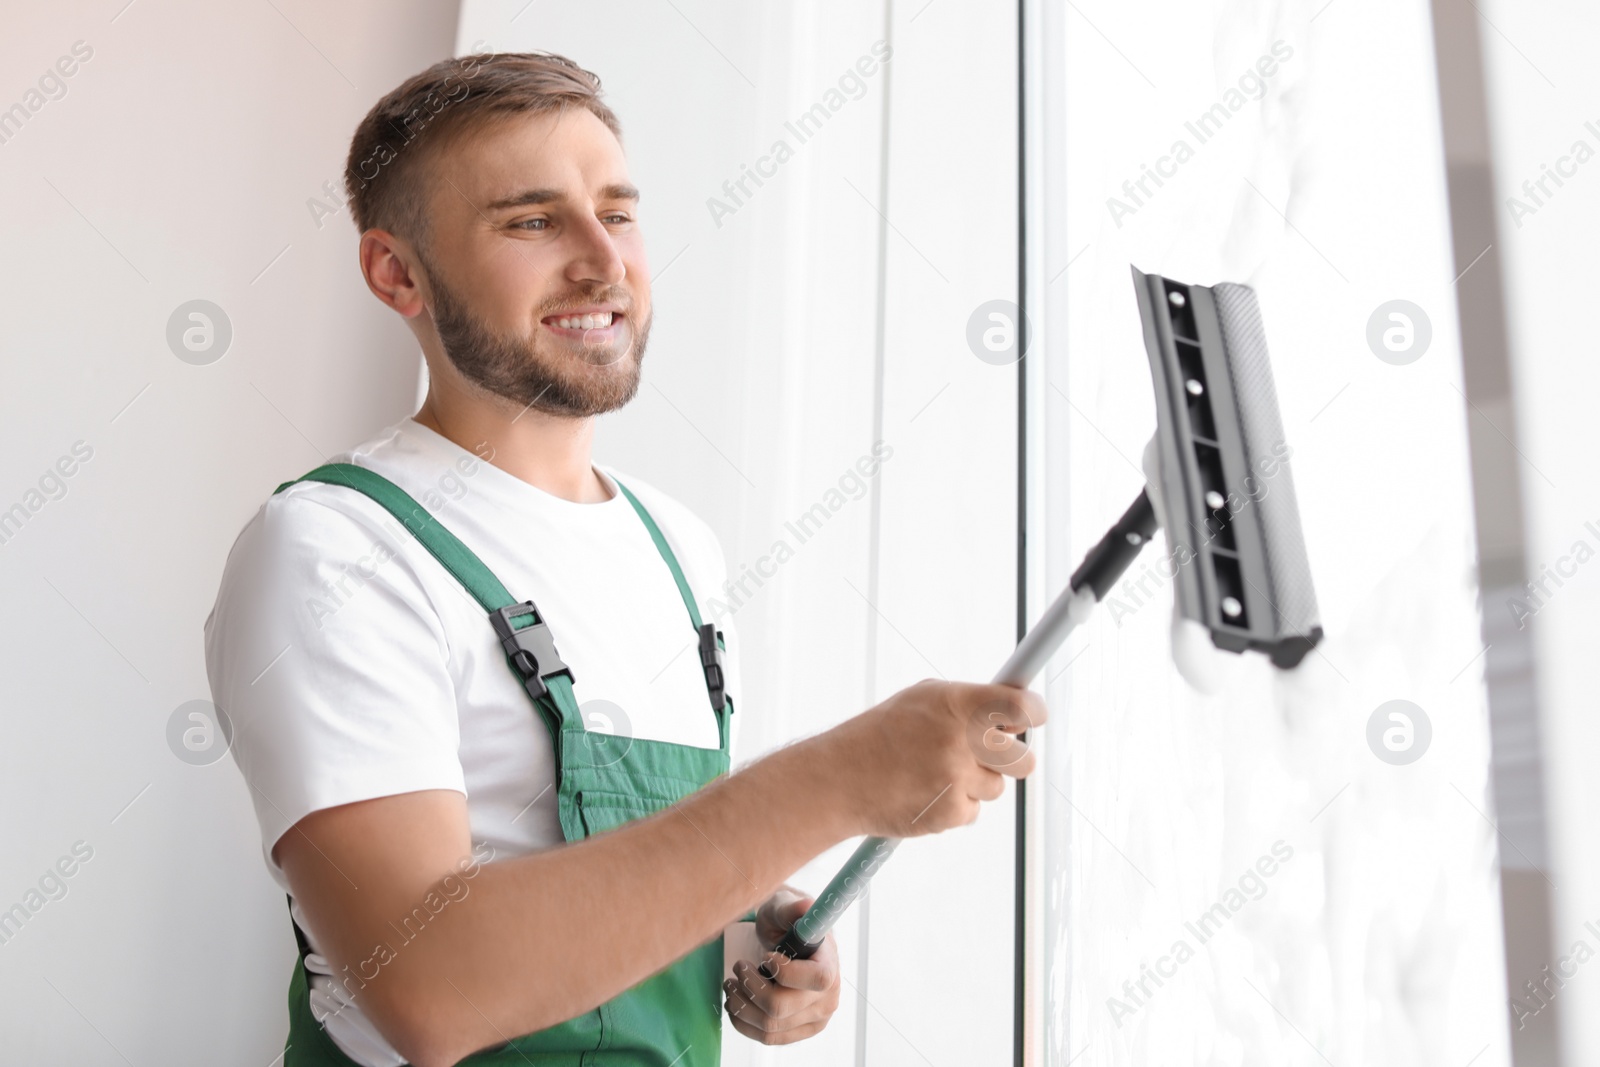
[925,759]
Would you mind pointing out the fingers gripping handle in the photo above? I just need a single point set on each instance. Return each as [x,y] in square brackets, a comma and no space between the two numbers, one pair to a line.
[1104,564]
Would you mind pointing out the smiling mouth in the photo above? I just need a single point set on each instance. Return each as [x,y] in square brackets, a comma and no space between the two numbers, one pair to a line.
[596,327]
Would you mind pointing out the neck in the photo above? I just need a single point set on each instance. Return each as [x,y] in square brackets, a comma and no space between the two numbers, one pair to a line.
[548,452]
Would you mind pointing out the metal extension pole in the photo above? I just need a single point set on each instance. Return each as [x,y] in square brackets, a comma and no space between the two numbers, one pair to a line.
[1099,571]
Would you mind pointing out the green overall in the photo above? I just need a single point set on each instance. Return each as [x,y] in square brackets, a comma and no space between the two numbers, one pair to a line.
[672,1019]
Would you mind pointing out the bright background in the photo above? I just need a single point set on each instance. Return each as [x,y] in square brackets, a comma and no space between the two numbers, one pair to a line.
[1378,941]
[828,313]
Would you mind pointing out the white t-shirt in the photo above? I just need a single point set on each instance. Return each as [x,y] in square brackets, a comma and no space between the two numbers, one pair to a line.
[352,665]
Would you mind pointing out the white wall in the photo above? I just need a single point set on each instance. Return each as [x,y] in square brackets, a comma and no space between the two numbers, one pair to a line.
[177,166]
[942,930]
[1378,941]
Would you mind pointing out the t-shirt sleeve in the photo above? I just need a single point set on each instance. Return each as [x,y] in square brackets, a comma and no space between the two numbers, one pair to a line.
[328,659]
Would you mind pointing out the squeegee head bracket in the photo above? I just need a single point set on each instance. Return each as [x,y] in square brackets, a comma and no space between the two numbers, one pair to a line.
[1212,483]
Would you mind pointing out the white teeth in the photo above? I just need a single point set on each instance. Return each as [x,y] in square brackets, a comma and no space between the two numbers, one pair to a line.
[586,322]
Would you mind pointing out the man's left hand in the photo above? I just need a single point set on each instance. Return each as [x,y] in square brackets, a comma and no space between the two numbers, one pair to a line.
[778,1000]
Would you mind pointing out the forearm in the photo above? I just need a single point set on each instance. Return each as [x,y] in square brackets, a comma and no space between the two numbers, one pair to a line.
[545,937]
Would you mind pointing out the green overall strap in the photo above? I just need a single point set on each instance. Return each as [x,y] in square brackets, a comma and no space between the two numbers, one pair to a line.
[529,647]
[666,553]
[530,650]
[712,645]
[457,558]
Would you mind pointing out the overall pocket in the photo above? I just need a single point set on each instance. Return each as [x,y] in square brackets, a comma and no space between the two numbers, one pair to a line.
[602,811]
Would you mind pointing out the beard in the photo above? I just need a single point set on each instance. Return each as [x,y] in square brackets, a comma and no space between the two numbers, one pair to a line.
[555,377]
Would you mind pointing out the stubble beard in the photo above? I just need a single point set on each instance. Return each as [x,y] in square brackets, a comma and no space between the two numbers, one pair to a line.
[555,377]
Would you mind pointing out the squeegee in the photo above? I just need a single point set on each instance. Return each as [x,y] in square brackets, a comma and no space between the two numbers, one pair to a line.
[1217,480]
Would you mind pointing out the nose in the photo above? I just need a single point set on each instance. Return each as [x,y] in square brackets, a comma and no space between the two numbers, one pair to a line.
[595,257]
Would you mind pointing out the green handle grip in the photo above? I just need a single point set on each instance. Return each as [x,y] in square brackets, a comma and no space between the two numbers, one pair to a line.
[846,888]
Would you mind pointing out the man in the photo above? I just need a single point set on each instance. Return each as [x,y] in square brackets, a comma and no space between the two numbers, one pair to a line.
[403,718]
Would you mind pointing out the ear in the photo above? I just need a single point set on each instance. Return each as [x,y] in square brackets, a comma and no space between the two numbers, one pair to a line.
[392,272]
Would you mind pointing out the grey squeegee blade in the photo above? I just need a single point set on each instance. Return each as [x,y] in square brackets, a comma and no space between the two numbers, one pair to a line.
[1226,483]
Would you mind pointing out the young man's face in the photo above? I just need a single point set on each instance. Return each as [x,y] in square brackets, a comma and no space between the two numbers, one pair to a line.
[536,265]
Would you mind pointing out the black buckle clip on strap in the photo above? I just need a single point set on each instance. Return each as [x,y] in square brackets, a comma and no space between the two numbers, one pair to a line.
[711,663]
[532,649]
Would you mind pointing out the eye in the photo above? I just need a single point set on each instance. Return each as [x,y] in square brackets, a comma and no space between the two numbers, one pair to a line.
[616,217]
[530,224]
